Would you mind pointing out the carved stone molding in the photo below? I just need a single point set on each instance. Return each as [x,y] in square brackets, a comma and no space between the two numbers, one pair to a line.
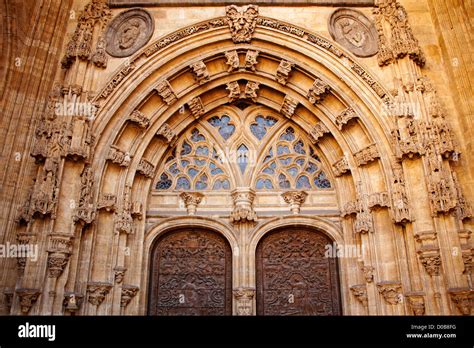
[295,199]
[463,299]
[107,202]
[140,119]
[318,91]
[232,60]
[24,238]
[251,60]
[427,238]
[123,221]
[379,200]
[344,117]
[168,134]
[96,292]
[234,91]
[85,212]
[430,259]
[146,168]
[283,71]
[391,291]
[251,89]
[128,293]
[243,210]
[340,167]
[119,274]
[128,32]
[197,108]
[363,222]
[137,210]
[244,300]
[119,157]
[360,293]
[463,208]
[116,80]
[72,301]
[199,69]
[191,201]
[164,89]
[95,15]
[368,272]
[59,250]
[391,21]
[400,205]
[416,301]
[288,106]
[353,30]
[317,132]
[467,259]
[242,21]
[366,155]
[28,298]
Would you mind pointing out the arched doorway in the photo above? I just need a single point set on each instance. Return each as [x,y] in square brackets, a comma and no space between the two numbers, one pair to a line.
[191,274]
[294,277]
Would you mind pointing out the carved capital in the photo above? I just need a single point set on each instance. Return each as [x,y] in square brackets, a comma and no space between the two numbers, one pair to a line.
[318,91]
[317,132]
[340,167]
[243,206]
[430,259]
[251,89]
[283,71]
[288,106]
[28,298]
[196,107]
[108,202]
[146,168]
[166,132]
[191,201]
[344,117]
[166,92]
[463,299]
[391,291]
[97,291]
[244,300]
[242,21]
[139,118]
[234,91]
[119,157]
[416,300]
[232,60]
[379,200]
[128,293]
[360,293]
[199,69]
[366,155]
[295,199]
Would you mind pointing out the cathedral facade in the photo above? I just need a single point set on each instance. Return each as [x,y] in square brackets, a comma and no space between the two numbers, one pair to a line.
[234,158]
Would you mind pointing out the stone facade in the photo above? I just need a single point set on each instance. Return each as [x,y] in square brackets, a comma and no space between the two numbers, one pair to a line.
[243,120]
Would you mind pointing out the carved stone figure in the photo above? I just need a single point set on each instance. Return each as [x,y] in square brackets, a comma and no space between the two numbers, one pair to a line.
[353,30]
[242,21]
[128,32]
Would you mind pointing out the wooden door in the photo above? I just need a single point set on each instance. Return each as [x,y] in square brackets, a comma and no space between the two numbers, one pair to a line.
[293,275]
[191,274]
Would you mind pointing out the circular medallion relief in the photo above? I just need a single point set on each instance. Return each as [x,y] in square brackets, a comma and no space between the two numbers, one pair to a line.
[128,32]
[353,30]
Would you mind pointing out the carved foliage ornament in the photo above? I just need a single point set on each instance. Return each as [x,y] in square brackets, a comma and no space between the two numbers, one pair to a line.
[128,32]
[242,21]
[354,31]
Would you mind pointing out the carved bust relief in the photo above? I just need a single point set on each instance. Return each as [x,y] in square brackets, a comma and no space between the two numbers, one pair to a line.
[353,30]
[128,32]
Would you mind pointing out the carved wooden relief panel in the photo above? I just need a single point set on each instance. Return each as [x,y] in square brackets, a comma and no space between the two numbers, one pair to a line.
[293,275]
[191,274]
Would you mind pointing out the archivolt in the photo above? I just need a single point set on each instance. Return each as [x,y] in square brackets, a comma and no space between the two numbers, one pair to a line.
[350,84]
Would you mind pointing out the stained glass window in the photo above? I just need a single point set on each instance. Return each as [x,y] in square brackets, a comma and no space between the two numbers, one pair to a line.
[224,126]
[261,125]
[295,166]
[197,167]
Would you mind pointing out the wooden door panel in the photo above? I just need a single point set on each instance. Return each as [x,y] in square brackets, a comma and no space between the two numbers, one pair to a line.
[293,275]
[191,274]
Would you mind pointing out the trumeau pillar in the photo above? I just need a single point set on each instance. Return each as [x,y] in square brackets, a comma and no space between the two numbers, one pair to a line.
[244,218]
